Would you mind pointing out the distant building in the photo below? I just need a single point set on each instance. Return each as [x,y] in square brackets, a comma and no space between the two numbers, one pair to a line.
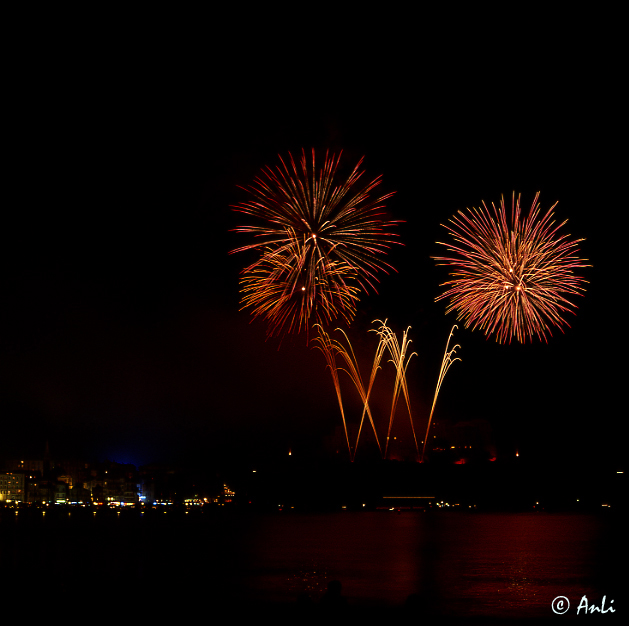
[12,487]
[60,492]
[113,483]
[32,465]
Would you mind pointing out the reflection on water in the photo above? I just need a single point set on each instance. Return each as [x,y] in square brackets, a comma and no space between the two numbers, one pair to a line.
[373,554]
[310,579]
[508,564]
[458,564]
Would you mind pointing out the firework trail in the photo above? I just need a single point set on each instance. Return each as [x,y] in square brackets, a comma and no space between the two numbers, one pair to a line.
[446,362]
[372,377]
[387,341]
[320,243]
[332,348]
[353,372]
[329,348]
[511,280]
[400,362]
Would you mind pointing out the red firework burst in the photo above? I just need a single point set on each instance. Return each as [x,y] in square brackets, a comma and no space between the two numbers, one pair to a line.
[511,280]
[320,243]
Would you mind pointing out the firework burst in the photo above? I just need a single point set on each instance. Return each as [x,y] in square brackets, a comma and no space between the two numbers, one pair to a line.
[270,289]
[512,279]
[320,243]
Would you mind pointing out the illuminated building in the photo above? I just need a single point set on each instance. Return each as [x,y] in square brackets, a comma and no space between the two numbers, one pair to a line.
[12,488]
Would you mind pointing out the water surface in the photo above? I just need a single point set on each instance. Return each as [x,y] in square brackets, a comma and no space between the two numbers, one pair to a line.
[483,565]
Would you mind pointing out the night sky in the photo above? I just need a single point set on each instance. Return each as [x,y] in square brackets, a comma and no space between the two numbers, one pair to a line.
[121,332]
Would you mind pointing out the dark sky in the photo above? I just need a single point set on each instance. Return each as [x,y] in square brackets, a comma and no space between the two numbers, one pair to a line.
[121,334]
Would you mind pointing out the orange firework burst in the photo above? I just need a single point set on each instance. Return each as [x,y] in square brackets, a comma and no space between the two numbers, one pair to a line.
[511,280]
[270,289]
[320,242]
